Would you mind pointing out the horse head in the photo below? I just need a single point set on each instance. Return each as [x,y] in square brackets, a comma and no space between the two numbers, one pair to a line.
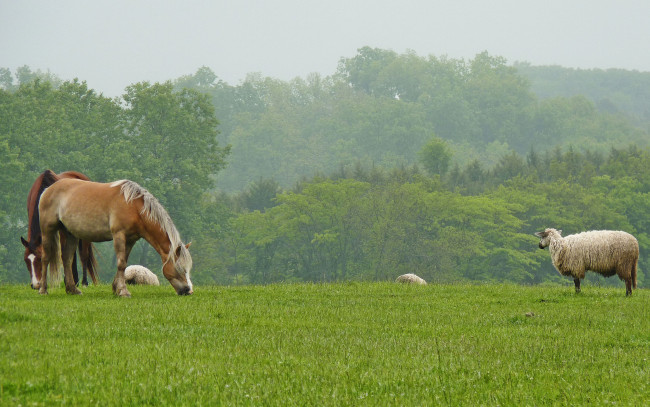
[177,270]
[33,255]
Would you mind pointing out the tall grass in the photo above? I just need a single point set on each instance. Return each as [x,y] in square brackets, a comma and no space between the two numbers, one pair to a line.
[336,344]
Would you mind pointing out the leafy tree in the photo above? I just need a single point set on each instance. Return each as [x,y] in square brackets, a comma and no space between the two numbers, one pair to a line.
[260,195]
[362,71]
[435,156]
[173,147]
[6,79]
[11,174]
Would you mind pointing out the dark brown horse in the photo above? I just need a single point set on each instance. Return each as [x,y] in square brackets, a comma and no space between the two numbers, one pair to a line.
[33,246]
[123,212]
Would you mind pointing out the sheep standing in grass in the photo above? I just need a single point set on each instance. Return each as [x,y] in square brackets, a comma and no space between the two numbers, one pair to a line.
[410,279]
[606,252]
[140,275]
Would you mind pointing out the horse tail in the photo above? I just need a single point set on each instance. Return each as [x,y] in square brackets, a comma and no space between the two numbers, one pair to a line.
[88,259]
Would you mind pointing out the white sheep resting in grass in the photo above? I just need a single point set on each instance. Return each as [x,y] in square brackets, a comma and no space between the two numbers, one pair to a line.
[607,252]
[140,275]
[410,279]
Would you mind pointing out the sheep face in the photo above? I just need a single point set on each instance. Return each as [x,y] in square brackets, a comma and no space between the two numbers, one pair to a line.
[546,237]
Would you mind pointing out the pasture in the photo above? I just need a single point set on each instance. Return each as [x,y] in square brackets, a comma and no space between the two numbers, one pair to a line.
[333,344]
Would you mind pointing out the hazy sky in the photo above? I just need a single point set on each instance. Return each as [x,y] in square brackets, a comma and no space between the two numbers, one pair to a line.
[112,44]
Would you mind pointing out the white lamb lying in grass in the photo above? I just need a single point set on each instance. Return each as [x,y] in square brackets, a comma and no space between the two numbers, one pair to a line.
[410,279]
[140,275]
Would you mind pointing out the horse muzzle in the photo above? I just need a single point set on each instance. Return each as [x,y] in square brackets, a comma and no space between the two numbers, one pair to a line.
[187,290]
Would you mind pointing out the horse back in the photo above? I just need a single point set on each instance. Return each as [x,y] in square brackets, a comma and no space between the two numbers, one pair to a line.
[74,175]
[89,210]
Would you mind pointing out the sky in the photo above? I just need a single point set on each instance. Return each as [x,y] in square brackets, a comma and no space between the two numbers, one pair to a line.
[113,44]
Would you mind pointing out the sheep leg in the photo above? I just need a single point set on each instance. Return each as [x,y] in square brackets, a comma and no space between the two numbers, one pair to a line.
[628,287]
[576,281]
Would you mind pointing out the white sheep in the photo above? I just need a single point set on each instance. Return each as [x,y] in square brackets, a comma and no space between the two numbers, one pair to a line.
[140,275]
[607,252]
[410,279]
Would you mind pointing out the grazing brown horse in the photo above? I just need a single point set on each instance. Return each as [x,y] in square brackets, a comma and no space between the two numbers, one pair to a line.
[33,246]
[121,211]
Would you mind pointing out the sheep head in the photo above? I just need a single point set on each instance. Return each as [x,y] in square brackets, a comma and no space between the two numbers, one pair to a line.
[546,236]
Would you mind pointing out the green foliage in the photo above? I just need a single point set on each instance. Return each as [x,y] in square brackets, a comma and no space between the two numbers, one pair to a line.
[173,142]
[614,91]
[381,108]
[325,344]
[472,224]
[435,156]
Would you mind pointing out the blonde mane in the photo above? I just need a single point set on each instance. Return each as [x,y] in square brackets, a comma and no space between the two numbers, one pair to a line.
[158,215]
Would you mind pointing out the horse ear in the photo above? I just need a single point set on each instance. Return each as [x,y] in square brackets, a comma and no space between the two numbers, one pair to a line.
[24,242]
[178,251]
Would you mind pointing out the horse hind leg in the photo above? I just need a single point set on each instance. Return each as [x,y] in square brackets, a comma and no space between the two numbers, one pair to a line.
[82,255]
[68,251]
[75,272]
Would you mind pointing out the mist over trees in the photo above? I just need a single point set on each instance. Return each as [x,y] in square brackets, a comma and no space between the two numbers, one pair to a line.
[381,107]
[395,163]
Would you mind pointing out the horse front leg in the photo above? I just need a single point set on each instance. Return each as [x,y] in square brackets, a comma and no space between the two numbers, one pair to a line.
[122,250]
[49,242]
[69,248]
[42,284]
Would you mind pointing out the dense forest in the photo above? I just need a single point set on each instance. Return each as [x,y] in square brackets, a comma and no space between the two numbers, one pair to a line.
[395,163]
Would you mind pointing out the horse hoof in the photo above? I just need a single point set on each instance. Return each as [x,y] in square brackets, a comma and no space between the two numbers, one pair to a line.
[73,291]
[124,293]
[42,292]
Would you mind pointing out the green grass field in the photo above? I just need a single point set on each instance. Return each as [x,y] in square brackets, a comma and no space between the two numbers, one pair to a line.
[372,344]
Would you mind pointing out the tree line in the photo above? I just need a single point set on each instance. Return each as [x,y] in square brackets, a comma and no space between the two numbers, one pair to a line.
[394,164]
[476,225]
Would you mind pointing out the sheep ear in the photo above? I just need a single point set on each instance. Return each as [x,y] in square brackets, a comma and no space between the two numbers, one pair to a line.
[539,234]
[560,232]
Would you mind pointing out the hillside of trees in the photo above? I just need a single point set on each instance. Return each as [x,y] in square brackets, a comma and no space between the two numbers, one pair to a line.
[395,163]
[614,91]
[381,107]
